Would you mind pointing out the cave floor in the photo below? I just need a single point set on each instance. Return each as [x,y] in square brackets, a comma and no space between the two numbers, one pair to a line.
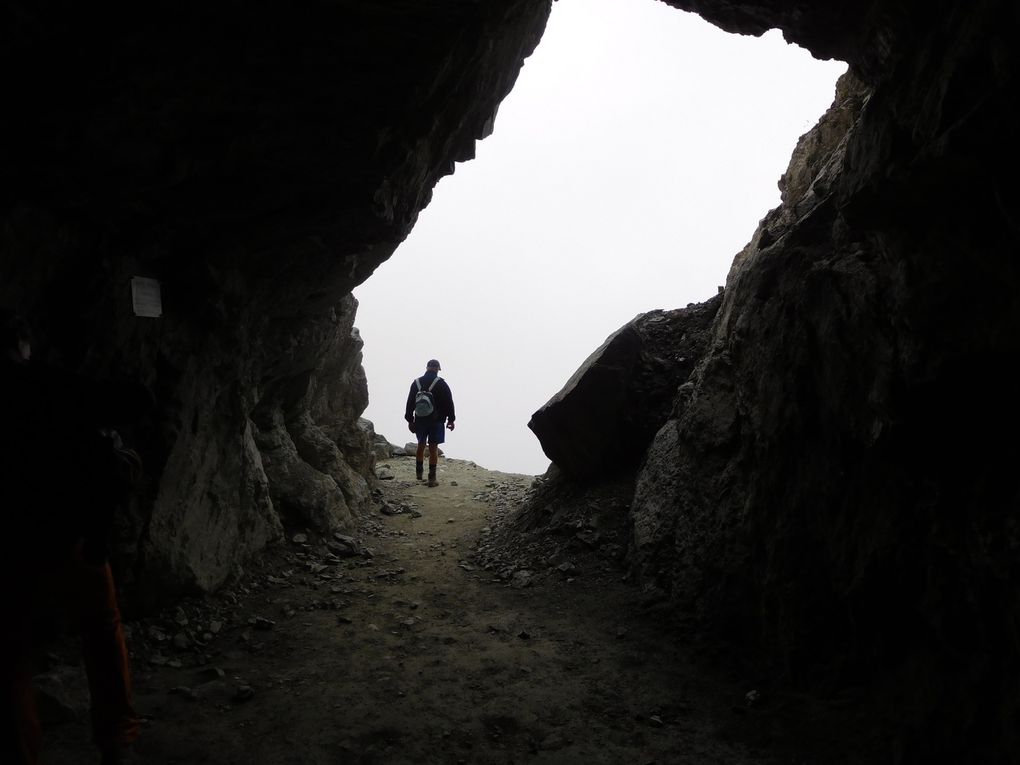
[418,655]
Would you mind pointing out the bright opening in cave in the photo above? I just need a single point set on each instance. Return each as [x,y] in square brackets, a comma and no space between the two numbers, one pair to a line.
[632,161]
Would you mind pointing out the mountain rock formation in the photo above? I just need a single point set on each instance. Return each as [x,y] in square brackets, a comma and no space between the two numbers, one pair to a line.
[833,487]
[606,415]
[259,162]
[834,484]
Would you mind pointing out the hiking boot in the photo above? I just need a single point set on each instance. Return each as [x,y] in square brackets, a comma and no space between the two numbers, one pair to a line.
[433,482]
[418,469]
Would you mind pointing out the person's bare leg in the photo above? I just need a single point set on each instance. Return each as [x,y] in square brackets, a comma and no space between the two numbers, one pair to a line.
[419,458]
[433,462]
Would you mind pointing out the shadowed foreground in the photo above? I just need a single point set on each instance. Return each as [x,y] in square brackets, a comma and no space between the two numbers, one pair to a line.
[408,651]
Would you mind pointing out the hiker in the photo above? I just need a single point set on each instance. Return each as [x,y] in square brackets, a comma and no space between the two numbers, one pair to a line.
[429,410]
[61,476]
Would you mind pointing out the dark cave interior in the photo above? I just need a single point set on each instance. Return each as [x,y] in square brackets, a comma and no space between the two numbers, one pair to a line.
[833,482]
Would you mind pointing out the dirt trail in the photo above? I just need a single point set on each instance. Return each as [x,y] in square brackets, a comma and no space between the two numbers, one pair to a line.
[414,655]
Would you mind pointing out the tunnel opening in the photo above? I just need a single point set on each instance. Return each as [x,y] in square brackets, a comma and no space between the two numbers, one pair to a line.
[808,496]
[628,167]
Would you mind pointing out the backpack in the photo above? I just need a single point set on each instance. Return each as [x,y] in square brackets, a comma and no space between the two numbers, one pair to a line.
[424,401]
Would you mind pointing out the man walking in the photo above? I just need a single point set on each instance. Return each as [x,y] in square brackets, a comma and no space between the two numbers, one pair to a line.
[429,410]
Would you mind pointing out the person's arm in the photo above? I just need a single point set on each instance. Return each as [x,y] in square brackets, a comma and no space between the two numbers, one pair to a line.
[409,408]
[451,414]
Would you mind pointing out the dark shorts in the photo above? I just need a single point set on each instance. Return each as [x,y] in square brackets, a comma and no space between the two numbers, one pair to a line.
[434,433]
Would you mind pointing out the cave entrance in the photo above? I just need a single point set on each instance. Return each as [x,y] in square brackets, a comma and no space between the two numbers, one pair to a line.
[632,161]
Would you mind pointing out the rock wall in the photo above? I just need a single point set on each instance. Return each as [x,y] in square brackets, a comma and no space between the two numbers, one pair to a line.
[834,488]
[259,162]
[837,490]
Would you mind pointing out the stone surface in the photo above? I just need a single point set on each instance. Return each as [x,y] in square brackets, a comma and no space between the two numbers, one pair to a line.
[828,485]
[603,419]
[832,488]
[259,165]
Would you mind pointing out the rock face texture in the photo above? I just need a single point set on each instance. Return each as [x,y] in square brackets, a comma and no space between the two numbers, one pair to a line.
[835,488]
[604,418]
[834,484]
[831,488]
[259,162]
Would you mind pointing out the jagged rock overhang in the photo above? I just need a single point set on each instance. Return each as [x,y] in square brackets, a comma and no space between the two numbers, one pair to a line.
[259,162]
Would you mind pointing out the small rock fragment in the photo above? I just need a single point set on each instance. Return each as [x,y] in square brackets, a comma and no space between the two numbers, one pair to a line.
[521,579]
[244,693]
[210,674]
[344,546]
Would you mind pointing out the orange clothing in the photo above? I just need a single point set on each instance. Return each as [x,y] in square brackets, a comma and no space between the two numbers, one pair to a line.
[86,594]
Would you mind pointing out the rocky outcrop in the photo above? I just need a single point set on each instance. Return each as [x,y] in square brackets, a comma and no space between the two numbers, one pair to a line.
[603,419]
[302,456]
[831,492]
[259,163]
[832,487]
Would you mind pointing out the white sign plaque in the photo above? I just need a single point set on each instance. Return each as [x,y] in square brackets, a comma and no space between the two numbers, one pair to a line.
[145,297]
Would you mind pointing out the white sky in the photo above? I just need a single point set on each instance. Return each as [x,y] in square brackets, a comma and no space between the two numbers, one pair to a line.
[633,159]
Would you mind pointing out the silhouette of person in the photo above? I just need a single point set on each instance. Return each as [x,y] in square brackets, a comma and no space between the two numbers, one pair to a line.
[59,486]
[430,428]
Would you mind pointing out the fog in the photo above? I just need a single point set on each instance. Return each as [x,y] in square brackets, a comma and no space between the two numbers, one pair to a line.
[632,161]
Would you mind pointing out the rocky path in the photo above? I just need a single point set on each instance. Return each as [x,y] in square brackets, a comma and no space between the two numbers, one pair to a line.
[399,647]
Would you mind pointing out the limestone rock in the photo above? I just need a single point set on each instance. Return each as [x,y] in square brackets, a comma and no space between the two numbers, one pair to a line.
[305,494]
[827,469]
[604,418]
[259,205]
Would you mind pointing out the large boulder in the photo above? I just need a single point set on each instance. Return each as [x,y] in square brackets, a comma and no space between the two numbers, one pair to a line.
[604,418]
